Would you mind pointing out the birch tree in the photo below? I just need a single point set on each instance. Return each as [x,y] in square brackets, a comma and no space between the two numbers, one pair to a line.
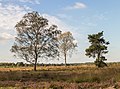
[67,44]
[35,39]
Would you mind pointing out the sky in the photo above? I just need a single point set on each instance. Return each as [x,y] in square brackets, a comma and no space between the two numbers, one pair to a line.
[81,17]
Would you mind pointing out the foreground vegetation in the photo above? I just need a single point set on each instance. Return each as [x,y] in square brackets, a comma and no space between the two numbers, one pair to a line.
[84,76]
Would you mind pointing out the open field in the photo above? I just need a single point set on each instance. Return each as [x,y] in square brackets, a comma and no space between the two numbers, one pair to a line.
[82,76]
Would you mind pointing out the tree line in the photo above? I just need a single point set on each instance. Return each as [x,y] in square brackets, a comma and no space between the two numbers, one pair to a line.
[22,64]
[37,39]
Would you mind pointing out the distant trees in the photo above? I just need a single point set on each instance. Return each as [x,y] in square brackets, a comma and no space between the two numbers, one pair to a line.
[97,48]
[67,44]
[20,64]
[35,39]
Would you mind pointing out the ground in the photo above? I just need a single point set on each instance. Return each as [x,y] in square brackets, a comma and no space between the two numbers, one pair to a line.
[83,76]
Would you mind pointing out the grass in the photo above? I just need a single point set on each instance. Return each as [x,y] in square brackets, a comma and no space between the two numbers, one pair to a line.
[60,77]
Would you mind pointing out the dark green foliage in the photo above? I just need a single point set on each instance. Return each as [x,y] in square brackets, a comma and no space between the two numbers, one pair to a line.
[91,79]
[97,48]
[100,63]
[7,64]
[52,86]
[20,64]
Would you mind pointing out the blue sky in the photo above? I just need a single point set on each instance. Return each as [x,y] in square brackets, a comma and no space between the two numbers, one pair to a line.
[81,17]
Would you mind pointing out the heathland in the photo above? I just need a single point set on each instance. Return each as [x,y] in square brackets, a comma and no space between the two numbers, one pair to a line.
[75,76]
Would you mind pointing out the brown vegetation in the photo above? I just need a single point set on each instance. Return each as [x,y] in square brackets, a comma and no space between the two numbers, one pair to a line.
[61,77]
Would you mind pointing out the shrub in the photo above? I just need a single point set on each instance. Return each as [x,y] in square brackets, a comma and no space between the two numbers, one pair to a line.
[20,64]
[52,86]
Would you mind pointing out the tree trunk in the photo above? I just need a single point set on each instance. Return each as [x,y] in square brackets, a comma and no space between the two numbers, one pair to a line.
[65,59]
[36,57]
[35,64]
[98,57]
[98,60]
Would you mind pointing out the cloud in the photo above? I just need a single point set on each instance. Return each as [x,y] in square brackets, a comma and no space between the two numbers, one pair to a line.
[6,36]
[30,1]
[94,20]
[64,16]
[77,5]
[23,1]
[54,20]
[9,15]
[61,25]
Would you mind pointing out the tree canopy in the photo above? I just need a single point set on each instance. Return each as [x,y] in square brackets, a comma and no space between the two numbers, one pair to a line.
[97,48]
[67,44]
[35,39]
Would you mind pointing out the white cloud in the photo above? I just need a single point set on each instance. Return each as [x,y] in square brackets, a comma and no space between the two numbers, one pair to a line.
[64,16]
[61,25]
[77,5]
[30,1]
[94,20]
[24,1]
[54,20]
[6,36]
[9,16]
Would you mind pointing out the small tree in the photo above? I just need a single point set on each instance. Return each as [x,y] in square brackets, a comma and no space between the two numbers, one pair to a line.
[97,48]
[67,44]
[35,39]
[20,64]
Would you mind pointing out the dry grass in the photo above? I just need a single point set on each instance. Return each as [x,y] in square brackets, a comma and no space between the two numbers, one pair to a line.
[61,77]
[47,68]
